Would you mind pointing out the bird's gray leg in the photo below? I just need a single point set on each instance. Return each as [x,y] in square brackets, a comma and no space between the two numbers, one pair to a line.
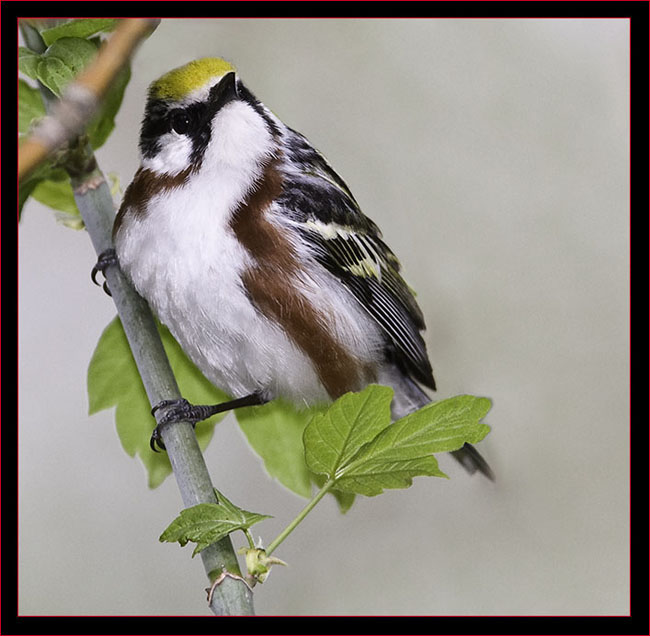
[180,410]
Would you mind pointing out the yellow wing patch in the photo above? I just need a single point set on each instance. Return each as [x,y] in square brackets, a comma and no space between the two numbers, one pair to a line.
[181,81]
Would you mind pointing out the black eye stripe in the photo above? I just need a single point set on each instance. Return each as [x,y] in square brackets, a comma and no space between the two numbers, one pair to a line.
[180,121]
[186,121]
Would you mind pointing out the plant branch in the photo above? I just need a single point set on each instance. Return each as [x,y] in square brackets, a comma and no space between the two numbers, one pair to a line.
[83,96]
[93,198]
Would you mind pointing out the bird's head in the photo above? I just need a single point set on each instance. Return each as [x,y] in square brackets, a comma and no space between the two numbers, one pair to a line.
[201,117]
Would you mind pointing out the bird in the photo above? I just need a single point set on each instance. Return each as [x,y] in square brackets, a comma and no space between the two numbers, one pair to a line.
[255,254]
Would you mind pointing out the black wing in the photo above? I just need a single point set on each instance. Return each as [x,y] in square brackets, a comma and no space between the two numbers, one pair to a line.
[349,245]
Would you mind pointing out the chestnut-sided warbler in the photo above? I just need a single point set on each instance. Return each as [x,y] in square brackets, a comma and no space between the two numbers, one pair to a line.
[254,253]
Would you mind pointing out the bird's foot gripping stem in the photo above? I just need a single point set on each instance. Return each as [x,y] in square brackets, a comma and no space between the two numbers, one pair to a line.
[180,410]
[106,258]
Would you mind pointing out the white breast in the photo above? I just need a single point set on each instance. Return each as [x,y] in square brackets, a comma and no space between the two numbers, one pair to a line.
[184,259]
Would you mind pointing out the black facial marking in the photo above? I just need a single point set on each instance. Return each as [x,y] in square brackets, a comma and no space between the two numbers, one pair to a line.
[194,120]
[180,121]
[256,105]
[153,126]
[160,118]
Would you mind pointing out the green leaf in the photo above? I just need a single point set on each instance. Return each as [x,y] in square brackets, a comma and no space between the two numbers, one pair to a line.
[113,380]
[356,447]
[51,186]
[275,432]
[437,427]
[403,451]
[28,62]
[334,436]
[103,123]
[30,106]
[371,477]
[75,53]
[343,499]
[65,59]
[25,188]
[53,74]
[206,523]
[58,195]
[53,189]
[81,28]
[225,502]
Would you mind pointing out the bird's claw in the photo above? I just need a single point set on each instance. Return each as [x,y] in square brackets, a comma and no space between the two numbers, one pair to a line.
[105,259]
[179,410]
[156,440]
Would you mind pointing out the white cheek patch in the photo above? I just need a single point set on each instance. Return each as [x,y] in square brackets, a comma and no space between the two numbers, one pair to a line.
[173,156]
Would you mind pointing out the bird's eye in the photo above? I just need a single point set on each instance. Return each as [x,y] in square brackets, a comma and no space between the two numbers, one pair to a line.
[181,122]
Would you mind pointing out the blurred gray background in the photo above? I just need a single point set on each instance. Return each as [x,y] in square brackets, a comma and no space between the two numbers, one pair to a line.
[494,156]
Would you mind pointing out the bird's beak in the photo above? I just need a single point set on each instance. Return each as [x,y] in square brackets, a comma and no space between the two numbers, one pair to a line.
[223,92]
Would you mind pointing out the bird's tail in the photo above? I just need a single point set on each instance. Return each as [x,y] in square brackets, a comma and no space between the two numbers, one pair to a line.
[410,397]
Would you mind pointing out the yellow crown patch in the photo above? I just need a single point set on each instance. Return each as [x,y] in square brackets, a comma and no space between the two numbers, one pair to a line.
[181,81]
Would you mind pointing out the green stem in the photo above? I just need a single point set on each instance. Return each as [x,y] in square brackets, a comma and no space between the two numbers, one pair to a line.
[249,537]
[303,513]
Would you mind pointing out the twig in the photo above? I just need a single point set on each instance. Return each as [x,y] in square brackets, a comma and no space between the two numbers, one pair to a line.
[93,198]
[82,96]
[94,201]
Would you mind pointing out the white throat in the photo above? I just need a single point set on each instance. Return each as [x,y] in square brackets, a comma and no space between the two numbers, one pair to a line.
[240,140]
